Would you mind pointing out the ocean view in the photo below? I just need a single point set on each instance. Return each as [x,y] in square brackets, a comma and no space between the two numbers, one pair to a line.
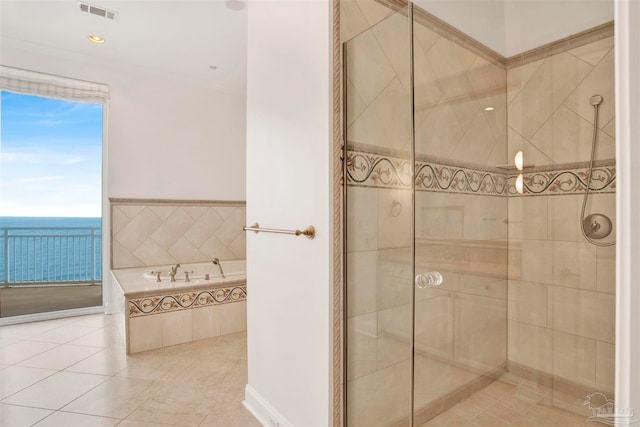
[50,250]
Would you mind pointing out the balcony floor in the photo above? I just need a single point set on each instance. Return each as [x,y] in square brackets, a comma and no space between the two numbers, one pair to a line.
[16,301]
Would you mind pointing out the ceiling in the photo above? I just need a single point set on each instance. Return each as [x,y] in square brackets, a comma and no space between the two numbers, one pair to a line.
[183,38]
[510,27]
[174,39]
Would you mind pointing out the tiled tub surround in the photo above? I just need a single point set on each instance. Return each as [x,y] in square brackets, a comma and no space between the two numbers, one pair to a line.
[155,315]
[156,232]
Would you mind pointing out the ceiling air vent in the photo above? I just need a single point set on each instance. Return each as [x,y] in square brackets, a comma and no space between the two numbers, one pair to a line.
[98,11]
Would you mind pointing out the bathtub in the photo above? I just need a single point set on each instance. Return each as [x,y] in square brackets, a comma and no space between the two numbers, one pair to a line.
[154,314]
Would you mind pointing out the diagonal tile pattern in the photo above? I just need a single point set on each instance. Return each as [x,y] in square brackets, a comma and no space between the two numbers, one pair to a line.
[165,234]
[199,383]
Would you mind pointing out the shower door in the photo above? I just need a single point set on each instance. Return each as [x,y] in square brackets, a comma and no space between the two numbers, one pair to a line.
[461,252]
[379,228]
[426,236]
[471,292]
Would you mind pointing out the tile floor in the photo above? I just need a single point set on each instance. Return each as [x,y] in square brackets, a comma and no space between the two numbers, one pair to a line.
[74,372]
[512,401]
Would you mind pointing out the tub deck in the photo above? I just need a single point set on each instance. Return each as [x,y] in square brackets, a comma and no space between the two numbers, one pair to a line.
[160,314]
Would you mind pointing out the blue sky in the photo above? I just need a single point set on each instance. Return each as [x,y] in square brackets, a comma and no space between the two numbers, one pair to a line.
[50,157]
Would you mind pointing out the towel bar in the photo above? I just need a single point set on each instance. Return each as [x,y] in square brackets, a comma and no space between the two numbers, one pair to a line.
[309,232]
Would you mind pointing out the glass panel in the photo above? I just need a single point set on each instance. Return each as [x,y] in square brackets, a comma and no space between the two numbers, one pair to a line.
[379,237]
[460,220]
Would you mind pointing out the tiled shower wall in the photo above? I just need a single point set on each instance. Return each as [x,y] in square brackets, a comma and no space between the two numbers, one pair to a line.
[159,232]
[561,288]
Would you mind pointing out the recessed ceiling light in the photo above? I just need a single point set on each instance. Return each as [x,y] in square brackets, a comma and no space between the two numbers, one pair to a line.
[213,67]
[489,108]
[96,39]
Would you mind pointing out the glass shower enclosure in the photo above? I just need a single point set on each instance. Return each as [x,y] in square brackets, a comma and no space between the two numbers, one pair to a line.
[465,298]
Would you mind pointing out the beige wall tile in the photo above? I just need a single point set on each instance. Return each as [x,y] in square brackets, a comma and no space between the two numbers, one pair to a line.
[385,122]
[585,313]
[533,155]
[437,130]
[361,282]
[362,342]
[352,21]
[138,229]
[145,333]
[574,265]
[394,231]
[518,77]
[178,234]
[531,346]
[528,217]
[367,67]
[354,103]
[438,215]
[574,358]
[394,277]
[599,82]
[570,137]
[606,269]
[567,74]
[593,52]
[394,336]
[564,218]
[481,285]
[480,331]
[362,219]
[528,303]
[392,34]
[533,105]
[605,366]
[205,322]
[172,228]
[434,323]
[427,89]
[537,261]
[233,317]
[373,11]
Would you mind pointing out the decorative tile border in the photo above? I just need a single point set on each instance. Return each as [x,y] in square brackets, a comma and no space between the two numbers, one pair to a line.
[566,181]
[145,306]
[373,170]
[454,179]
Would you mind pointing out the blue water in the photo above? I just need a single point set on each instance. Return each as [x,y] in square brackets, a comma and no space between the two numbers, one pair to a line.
[49,250]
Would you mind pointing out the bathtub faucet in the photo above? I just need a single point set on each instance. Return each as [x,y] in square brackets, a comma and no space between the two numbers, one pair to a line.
[216,261]
[173,272]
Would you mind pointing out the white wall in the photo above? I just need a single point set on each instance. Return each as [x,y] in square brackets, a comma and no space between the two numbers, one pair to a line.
[627,43]
[289,108]
[168,139]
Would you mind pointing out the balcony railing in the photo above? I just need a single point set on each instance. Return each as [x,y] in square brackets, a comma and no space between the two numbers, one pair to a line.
[48,256]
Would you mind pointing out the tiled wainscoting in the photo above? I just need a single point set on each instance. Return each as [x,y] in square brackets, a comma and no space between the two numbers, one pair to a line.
[156,232]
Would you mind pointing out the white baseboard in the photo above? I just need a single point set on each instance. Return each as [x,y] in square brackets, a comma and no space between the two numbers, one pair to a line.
[37,317]
[262,410]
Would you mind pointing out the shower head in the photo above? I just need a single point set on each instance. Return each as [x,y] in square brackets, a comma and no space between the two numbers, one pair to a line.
[595,100]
